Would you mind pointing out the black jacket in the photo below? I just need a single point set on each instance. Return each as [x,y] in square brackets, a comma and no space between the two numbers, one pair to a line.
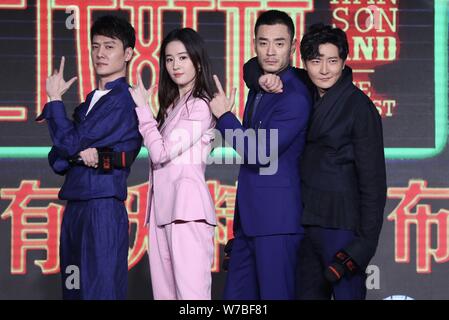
[343,165]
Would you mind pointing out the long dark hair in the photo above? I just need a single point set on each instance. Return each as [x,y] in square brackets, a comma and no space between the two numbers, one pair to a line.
[203,88]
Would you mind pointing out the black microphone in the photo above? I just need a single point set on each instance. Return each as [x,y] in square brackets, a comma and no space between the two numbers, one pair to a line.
[342,264]
[76,160]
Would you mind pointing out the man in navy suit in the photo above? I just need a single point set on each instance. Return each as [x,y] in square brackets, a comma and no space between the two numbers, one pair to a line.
[94,230]
[267,225]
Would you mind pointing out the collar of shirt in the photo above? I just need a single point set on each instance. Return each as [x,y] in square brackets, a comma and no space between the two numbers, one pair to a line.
[116,82]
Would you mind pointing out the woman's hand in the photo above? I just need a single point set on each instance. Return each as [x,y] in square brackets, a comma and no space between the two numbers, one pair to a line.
[140,95]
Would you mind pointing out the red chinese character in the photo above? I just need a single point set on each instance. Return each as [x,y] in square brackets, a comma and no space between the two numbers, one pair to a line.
[224,199]
[138,199]
[24,229]
[423,219]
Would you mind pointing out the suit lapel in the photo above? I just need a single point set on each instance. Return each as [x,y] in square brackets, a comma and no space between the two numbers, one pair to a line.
[171,120]
[99,104]
[79,114]
[114,86]
[174,115]
[263,109]
[249,102]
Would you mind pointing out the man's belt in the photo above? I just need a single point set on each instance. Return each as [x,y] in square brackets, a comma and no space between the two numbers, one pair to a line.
[109,160]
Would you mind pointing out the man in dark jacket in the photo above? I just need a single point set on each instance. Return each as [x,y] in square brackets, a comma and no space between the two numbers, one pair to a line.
[342,171]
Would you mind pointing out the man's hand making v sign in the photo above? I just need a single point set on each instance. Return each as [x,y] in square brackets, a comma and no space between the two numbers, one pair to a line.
[56,87]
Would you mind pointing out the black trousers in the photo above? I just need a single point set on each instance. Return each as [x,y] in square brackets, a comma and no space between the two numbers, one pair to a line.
[316,252]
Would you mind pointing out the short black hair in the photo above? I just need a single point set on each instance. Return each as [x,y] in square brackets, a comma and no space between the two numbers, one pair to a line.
[114,27]
[319,34]
[272,17]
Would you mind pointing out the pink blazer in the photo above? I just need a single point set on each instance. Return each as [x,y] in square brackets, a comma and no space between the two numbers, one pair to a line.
[178,153]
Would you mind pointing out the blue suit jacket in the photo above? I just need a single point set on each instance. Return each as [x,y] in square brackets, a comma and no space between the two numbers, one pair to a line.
[271,204]
[112,122]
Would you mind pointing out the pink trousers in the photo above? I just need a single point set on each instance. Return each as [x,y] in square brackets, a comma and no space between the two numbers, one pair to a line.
[181,255]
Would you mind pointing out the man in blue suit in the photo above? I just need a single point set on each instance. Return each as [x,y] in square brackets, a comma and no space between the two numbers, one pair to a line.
[94,231]
[267,225]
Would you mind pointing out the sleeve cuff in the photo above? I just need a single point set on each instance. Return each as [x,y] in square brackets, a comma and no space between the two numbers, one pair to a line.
[224,120]
[225,115]
[144,114]
[53,109]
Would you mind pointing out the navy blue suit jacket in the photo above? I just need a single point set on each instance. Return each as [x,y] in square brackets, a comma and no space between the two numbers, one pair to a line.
[112,122]
[271,204]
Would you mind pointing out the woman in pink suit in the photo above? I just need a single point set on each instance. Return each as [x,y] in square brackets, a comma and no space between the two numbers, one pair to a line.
[181,211]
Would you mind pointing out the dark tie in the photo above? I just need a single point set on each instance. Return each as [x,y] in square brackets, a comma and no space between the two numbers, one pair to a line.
[252,109]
